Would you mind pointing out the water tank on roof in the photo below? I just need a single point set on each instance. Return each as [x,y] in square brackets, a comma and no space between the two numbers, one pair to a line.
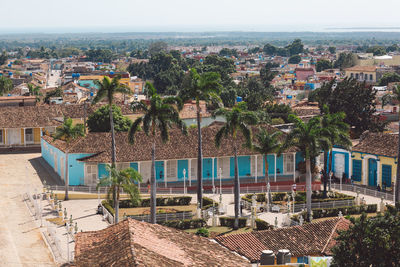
[267,257]
[10,73]
[111,72]
[30,74]
[283,256]
[239,99]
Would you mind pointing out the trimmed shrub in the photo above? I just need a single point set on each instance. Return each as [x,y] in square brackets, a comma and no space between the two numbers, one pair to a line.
[263,225]
[207,201]
[108,206]
[160,201]
[333,212]
[186,224]
[203,232]
[229,222]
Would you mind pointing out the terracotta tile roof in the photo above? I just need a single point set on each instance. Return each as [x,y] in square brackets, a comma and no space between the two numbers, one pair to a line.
[314,239]
[362,68]
[135,243]
[29,116]
[384,144]
[178,147]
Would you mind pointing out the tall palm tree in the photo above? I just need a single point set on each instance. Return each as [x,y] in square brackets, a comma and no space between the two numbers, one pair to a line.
[68,132]
[158,117]
[124,179]
[396,92]
[34,91]
[198,87]
[107,89]
[336,132]
[266,144]
[237,120]
[307,137]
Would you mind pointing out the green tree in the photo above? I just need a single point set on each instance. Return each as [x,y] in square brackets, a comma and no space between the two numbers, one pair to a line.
[370,241]
[228,96]
[117,180]
[157,47]
[198,87]
[100,55]
[389,77]
[269,50]
[345,60]
[279,111]
[68,132]
[295,48]
[377,50]
[35,91]
[237,120]
[392,48]
[107,89]
[226,52]
[267,143]
[295,59]
[54,93]
[307,137]
[6,85]
[336,132]
[323,65]
[255,94]
[332,49]
[158,118]
[267,74]
[99,121]
[3,58]
[339,97]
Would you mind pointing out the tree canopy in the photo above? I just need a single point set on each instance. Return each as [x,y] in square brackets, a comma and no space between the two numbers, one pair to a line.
[345,60]
[370,241]
[99,121]
[389,78]
[323,65]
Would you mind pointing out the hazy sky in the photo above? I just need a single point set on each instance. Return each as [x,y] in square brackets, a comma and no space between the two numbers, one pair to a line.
[165,15]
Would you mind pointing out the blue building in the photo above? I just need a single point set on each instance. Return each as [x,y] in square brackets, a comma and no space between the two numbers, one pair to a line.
[89,155]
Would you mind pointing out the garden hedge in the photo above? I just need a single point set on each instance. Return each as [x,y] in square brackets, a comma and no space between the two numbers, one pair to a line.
[333,212]
[317,196]
[229,221]
[186,224]
[160,201]
[263,225]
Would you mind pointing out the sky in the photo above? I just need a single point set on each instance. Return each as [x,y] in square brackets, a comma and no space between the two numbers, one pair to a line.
[61,16]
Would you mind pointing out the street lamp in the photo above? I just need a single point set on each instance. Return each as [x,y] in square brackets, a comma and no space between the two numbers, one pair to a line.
[184,181]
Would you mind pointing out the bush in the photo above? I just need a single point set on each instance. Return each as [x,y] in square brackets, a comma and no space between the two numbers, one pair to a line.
[160,201]
[229,221]
[203,232]
[108,206]
[334,212]
[207,201]
[186,224]
[279,196]
[263,225]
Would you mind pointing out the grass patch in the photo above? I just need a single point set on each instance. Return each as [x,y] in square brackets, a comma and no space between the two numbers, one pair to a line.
[146,210]
[58,221]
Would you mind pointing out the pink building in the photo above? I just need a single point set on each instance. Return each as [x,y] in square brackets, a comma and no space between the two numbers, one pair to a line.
[302,74]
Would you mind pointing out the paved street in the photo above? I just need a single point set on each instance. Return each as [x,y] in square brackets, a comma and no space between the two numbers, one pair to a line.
[21,243]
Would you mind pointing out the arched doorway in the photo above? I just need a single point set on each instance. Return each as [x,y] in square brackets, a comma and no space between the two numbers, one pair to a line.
[372,172]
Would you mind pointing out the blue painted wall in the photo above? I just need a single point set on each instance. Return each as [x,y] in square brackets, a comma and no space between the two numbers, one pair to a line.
[299,158]
[279,164]
[76,169]
[160,170]
[183,164]
[102,171]
[207,168]
[135,166]
[244,165]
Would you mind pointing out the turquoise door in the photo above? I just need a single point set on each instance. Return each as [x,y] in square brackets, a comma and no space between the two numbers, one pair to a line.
[159,170]
[372,172]
[207,168]
[386,175]
[183,165]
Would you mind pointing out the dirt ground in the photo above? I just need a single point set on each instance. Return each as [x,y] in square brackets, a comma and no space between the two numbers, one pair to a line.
[21,243]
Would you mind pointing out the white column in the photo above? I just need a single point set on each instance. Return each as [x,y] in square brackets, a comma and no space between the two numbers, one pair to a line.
[24,137]
[255,167]
[138,169]
[275,167]
[365,171]
[294,167]
[165,173]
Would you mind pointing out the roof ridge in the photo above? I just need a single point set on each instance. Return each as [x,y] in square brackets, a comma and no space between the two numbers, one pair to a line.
[332,233]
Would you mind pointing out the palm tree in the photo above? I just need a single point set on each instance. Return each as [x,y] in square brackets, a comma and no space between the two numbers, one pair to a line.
[237,120]
[68,132]
[307,137]
[204,87]
[158,116]
[266,144]
[396,92]
[107,89]
[124,179]
[35,91]
[336,132]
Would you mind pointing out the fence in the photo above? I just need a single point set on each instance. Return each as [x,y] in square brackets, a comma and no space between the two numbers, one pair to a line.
[364,190]
[191,190]
[324,205]
[163,217]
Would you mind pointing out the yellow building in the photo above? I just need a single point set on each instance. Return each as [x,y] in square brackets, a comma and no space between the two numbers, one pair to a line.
[362,73]
[374,160]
